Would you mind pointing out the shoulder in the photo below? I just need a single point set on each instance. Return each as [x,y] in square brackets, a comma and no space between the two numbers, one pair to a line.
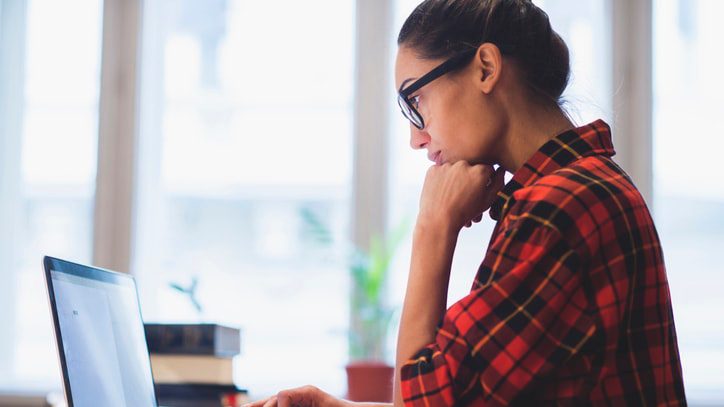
[577,198]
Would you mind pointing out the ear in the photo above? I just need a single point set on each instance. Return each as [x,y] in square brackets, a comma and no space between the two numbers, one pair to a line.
[488,66]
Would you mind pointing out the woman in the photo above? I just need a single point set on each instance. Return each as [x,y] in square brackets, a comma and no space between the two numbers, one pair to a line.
[571,303]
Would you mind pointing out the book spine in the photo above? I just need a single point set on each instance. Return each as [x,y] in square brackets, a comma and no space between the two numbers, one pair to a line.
[199,339]
[198,392]
[228,343]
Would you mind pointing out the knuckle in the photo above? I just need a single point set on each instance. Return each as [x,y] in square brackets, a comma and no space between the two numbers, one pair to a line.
[287,394]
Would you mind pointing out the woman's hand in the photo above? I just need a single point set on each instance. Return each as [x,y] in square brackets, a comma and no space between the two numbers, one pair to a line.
[457,195]
[306,396]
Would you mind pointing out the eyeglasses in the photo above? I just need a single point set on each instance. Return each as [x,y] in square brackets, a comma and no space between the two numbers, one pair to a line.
[408,107]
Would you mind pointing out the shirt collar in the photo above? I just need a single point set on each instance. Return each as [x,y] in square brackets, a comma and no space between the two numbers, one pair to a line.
[591,139]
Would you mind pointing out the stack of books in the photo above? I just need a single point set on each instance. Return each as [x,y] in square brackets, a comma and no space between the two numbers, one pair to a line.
[192,364]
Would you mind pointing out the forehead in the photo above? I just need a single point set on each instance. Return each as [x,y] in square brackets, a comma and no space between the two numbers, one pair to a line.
[408,65]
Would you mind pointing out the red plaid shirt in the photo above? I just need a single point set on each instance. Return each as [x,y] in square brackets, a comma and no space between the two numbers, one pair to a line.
[571,304]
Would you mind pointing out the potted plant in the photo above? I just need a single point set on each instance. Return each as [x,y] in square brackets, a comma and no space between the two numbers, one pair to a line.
[369,375]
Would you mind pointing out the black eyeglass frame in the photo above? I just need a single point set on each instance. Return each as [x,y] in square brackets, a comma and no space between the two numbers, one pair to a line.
[403,97]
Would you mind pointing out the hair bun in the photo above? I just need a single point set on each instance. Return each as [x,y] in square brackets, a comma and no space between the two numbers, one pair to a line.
[442,28]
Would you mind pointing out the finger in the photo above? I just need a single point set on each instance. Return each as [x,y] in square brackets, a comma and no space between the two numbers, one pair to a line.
[305,396]
[258,403]
[289,398]
[272,402]
[496,185]
[284,399]
[474,220]
[488,172]
[499,177]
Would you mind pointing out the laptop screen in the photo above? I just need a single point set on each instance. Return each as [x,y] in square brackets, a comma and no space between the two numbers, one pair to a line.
[104,346]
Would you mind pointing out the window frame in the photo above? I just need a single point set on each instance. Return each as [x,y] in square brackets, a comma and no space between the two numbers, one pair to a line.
[13,17]
[117,135]
[632,90]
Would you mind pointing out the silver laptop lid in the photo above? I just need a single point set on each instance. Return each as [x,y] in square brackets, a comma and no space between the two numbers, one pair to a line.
[100,336]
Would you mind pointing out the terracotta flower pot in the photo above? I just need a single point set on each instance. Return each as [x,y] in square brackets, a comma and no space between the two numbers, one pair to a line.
[370,381]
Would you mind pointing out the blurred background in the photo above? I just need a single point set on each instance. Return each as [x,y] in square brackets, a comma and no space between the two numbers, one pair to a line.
[182,139]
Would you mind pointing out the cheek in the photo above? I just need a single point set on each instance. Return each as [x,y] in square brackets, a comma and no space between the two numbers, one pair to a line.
[472,128]
[462,107]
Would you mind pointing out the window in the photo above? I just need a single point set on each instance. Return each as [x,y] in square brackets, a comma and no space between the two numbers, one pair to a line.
[245,132]
[689,188]
[49,87]
[246,127]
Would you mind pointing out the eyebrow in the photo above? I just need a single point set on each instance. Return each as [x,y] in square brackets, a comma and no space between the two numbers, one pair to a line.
[402,85]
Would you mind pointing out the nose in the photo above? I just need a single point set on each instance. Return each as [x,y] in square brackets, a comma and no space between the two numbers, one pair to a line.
[418,138]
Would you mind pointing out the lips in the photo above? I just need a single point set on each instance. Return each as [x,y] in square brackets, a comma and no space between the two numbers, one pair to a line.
[435,157]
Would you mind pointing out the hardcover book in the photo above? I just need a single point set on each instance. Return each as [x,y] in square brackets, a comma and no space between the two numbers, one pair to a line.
[198,395]
[193,339]
[191,369]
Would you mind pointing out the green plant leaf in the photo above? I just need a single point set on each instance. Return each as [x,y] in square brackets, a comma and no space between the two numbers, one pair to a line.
[369,271]
[316,229]
[178,288]
[376,272]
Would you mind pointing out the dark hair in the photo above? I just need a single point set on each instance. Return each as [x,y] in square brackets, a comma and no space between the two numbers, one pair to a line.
[439,29]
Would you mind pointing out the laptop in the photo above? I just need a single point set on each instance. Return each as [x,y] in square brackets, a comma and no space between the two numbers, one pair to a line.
[100,336]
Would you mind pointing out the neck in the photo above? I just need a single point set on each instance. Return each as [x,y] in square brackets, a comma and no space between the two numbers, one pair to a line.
[528,130]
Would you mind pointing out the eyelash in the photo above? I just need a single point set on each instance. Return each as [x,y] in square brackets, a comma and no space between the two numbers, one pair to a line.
[415,101]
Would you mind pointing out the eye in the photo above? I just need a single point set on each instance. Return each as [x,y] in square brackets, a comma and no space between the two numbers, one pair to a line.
[415,100]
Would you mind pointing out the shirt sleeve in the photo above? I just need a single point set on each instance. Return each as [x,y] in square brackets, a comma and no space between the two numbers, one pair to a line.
[529,317]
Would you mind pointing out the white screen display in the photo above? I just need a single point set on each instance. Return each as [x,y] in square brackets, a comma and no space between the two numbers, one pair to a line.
[103,342]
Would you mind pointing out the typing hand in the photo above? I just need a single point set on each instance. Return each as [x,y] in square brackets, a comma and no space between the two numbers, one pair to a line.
[306,396]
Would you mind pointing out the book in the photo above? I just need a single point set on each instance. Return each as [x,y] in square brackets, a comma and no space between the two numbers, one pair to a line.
[200,395]
[193,339]
[188,403]
[198,369]
[235,399]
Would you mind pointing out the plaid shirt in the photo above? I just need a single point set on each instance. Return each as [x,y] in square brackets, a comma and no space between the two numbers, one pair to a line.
[571,304]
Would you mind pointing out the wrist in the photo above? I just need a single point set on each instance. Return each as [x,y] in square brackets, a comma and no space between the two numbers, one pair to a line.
[437,226]
[433,245]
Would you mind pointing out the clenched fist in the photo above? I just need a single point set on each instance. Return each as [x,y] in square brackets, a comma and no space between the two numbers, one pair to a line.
[456,195]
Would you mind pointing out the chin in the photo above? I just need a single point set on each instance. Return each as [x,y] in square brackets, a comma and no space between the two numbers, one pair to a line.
[482,160]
